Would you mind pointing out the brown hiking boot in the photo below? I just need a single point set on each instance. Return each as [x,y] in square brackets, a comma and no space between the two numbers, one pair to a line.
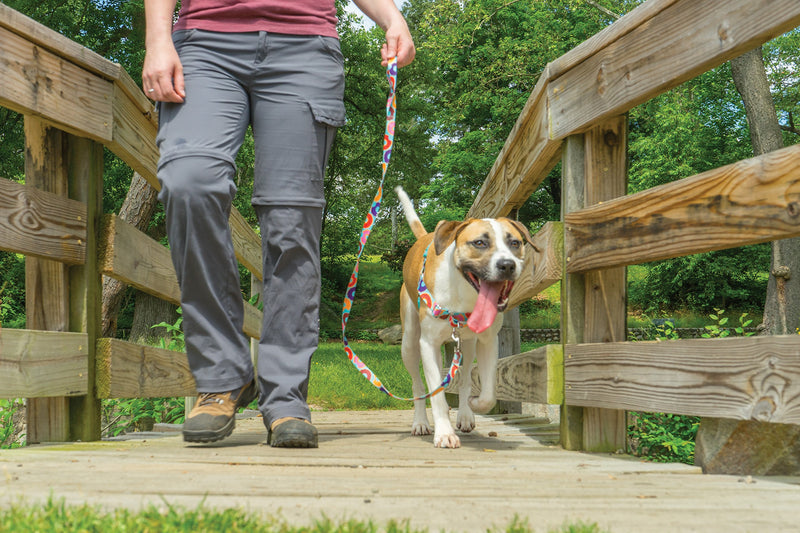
[291,432]
[214,415]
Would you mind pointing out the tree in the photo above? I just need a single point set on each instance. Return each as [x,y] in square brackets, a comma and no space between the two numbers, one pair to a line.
[731,446]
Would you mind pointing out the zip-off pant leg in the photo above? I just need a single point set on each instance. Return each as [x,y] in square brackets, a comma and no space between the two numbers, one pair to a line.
[233,80]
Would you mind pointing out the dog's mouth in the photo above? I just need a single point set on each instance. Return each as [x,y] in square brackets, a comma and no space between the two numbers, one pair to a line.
[492,299]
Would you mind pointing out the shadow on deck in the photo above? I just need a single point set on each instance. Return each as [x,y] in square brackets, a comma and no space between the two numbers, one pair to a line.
[369,467]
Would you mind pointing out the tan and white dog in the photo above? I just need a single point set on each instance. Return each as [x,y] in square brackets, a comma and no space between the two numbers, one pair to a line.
[469,268]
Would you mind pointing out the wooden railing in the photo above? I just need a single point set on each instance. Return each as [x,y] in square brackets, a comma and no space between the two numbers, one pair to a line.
[75,103]
[576,114]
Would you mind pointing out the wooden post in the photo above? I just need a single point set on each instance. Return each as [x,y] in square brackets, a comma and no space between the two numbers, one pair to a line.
[61,298]
[46,281]
[85,282]
[594,305]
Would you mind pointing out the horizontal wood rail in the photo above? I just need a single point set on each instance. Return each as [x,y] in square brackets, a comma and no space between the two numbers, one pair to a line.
[43,363]
[752,201]
[42,224]
[536,376]
[745,378]
[128,370]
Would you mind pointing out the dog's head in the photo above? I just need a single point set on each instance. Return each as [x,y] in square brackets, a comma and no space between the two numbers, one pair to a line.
[489,253]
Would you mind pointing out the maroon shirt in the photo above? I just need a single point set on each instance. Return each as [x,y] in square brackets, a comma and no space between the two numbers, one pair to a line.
[294,17]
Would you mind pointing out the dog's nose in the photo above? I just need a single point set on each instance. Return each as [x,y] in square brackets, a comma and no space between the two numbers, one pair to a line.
[506,266]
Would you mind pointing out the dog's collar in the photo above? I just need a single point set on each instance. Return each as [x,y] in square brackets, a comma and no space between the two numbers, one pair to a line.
[425,295]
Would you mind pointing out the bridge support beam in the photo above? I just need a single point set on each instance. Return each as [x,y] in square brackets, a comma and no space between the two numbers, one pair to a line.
[61,297]
[594,304]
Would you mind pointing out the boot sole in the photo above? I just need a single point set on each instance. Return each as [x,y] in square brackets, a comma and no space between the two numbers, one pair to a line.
[207,435]
[293,434]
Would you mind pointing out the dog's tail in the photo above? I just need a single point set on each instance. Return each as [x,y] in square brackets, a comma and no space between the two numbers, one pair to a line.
[411,216]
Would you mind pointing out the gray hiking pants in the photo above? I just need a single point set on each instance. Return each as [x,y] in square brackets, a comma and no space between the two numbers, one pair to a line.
[290,90]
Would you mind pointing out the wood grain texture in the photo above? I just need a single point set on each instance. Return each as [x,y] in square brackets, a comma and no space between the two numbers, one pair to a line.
[37,364]
[536,376]
[41,224]
[38,82]
[51,40]
[677,43]
[128,370]
[47,304]
[755,200]
[753,378]
[543,268]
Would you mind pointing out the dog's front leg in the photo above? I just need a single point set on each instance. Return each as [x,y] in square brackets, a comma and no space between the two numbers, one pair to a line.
[487,370]
[465,420]
[444,436]
[411,356]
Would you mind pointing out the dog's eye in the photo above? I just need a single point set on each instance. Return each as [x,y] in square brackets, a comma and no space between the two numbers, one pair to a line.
[480,243]
[514,243]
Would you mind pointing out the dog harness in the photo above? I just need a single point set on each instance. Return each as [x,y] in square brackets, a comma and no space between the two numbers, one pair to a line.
[424,295]
[350,294]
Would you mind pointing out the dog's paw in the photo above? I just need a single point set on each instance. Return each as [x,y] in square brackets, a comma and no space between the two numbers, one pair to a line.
[465,420]
[481,406]
[420,428]
[446,440]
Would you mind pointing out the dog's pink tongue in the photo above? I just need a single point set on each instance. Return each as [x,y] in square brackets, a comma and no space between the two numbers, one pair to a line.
[486,307]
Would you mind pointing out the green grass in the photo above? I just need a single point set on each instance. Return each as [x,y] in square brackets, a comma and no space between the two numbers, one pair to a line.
[58,517]
[336,384]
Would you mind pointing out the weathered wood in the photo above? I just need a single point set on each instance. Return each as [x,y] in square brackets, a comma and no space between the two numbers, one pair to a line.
[132,257]
[754,200]
[745,378]
[542,269]
[573,315]
[128,370]
[41,224]
[605,294]
[536,376]
[85,283]
[678,43]
[46,281]
[247,244]
[524,162]
[610,34]
[134,131]
[51,40]
[38,82]
[38,364]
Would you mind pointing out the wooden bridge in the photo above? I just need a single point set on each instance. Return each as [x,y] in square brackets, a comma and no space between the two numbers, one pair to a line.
[76,102]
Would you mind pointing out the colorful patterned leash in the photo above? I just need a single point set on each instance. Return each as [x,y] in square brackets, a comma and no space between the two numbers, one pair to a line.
[350,294]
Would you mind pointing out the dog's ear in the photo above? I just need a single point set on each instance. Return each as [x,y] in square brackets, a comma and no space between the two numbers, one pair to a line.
[445,233]
[525,233]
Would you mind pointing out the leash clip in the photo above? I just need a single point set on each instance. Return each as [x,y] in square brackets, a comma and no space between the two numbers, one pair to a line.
[457,339]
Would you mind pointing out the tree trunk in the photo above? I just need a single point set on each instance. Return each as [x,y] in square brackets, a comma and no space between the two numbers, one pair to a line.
[749,447]
[148,312]
[137,209]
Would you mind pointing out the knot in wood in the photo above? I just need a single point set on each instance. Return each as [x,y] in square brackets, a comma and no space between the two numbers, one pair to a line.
[793,209]
[610,137]
[782,272]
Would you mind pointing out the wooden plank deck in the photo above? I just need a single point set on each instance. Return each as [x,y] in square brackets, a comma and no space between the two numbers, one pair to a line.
[369,467]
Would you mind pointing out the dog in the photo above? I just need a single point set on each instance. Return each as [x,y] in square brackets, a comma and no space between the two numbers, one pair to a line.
[462,268]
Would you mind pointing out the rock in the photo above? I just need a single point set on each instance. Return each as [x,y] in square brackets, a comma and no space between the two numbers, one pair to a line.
[747,448]
[391,335]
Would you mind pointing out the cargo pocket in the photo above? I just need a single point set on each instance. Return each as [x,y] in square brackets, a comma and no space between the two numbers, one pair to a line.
[330,116]
[330,113]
